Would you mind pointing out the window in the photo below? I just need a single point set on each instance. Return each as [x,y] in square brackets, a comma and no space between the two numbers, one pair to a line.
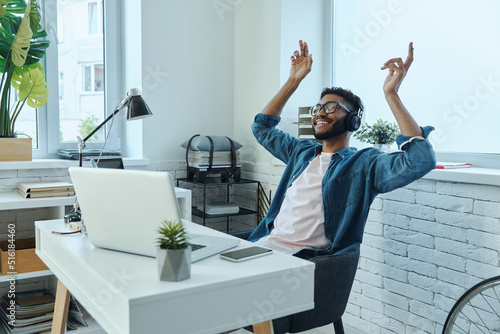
[93,78]
[87,78]
[61,86]
[92,18]
[83,109]
[454,82]
[77,74]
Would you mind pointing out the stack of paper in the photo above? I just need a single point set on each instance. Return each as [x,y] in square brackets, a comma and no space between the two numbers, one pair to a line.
[221,159]
[76,318]
[219,209]
[45,189]
[33,312]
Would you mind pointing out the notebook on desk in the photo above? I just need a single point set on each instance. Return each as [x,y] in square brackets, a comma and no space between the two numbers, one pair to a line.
[122,210]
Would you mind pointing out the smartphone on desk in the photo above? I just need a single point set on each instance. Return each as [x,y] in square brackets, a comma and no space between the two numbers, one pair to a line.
[245,254]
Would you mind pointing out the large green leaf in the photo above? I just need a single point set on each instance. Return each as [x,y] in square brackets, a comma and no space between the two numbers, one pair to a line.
[21,72]
[34,16]
[10,24]
[3,9]
[33,88]
[10,7]
[21,44]
[6,39]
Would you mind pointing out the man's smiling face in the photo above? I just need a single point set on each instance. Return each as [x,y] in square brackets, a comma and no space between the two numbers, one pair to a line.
[327,126]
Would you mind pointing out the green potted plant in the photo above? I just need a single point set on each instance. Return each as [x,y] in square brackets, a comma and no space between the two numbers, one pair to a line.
[380,134]
[22,45]
[173,252]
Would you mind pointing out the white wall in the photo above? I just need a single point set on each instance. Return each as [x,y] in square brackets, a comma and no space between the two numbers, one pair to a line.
[256,68]
[209,66]
[187,74]
[266,35]
[132,137]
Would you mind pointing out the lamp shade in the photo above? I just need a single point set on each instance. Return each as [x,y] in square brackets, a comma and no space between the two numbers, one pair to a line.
[137,108]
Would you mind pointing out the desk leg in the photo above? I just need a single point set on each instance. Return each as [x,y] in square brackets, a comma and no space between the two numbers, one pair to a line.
[60,309]
[265,327]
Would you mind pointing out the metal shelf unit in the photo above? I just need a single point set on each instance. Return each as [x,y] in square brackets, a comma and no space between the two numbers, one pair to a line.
[201,213]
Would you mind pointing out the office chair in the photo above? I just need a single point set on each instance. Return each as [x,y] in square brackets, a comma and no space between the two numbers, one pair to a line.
[333,279]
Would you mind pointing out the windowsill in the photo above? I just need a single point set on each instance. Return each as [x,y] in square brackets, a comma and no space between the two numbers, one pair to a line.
[62,163]
[489,176]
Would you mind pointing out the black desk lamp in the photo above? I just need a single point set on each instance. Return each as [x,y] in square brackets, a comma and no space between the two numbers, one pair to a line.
[137,108]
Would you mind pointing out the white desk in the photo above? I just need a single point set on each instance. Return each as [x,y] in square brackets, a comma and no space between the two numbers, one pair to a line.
[123,294]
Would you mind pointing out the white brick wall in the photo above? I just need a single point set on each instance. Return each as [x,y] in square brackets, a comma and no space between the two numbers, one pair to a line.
[424,246]
[444,236]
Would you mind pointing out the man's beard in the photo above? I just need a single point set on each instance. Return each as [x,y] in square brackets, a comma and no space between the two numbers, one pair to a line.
[337,130]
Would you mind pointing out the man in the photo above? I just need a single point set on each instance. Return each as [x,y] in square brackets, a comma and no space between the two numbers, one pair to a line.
[322,201]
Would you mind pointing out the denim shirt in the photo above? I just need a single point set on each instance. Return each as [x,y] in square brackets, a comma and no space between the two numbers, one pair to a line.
[350,184]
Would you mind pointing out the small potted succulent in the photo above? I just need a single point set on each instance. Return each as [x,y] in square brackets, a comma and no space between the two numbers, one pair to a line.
[381,134]
[173,252]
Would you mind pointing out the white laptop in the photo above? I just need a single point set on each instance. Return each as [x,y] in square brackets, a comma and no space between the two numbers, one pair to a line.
[122,210]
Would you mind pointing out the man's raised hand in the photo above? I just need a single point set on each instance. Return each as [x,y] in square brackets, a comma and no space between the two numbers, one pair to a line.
[397,71]
[301,62]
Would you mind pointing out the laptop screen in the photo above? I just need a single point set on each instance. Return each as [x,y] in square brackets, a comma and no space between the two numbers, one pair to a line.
[122,209]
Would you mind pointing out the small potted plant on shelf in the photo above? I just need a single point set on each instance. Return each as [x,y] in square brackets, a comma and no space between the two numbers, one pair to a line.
[173,252]
[22,45]
[381,134]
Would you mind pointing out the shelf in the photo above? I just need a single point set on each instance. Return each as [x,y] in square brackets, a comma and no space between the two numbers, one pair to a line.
[241,181]
[32,274]
[243,211]
[227,185]
[13,201]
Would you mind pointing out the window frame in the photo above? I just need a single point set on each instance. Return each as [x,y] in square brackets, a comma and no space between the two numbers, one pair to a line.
[48,116]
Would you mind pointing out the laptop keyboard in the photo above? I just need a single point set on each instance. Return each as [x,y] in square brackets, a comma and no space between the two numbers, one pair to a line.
[196,247]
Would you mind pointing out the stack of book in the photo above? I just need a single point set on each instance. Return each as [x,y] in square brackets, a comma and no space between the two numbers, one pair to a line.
[32,312]
[219,209]
[45,189]
[221,159]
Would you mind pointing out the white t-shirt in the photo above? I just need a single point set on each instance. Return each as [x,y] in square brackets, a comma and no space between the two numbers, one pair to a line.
[300,222]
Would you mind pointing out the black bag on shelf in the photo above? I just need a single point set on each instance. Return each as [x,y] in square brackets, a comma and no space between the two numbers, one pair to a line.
[200,163]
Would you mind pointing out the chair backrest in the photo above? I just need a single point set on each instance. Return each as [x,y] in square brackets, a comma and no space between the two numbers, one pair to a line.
[333,279]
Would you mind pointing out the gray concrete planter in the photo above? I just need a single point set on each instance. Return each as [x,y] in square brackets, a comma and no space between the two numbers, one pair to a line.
[173,264]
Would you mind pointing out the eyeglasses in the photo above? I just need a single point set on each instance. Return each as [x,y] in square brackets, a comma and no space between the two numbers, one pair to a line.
[328,107]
